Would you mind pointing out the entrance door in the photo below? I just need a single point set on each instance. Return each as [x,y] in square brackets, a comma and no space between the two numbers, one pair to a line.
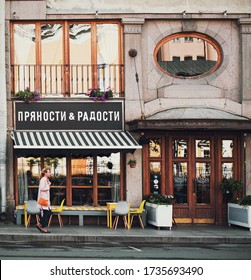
[193,181]
[190,166]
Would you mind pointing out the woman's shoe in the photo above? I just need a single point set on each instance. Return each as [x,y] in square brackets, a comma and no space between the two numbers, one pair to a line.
[38,227]
[44,230]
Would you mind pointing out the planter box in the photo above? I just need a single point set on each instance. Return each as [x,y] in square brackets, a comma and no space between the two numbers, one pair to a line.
[239,215]
[159,215]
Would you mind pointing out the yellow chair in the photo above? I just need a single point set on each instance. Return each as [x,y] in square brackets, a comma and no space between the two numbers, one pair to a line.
[138,212]
[57,212]
[31,208]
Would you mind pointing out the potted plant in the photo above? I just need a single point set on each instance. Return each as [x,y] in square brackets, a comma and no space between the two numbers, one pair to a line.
[100,95]
[132,163]
[159,210]
[27,95]
[239,212]
[230,188]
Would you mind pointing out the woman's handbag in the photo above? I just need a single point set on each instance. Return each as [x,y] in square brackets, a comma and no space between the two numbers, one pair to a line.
[42,201]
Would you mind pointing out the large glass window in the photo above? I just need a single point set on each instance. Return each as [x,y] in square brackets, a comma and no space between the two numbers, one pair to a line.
[67,58]
[24,57]
[190,51]
[58,178]
[82,181]
[28,169]
[108,178]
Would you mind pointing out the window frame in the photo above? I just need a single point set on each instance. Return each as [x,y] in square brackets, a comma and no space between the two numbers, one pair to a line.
[195,35]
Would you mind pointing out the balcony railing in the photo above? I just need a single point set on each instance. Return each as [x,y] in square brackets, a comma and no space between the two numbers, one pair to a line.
[67,80]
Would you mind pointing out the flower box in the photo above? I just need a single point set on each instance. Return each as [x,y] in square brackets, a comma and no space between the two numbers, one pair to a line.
[239,215]
[159,215]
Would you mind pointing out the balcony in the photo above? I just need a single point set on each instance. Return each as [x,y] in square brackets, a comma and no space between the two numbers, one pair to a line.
[67,80]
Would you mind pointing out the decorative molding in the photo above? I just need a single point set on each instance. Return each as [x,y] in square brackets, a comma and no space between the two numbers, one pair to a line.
[132,25]
[245,25]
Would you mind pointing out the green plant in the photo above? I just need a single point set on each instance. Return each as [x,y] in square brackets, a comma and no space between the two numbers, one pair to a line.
[27,95]
[231,189]
[132,161]
[230,185]
[98,95]
[246,200]
[159,199]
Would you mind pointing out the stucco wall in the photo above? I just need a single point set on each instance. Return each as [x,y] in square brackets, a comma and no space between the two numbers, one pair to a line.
[222,84]
[153,6]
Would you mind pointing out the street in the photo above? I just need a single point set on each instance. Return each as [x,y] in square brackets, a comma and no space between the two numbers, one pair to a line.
[116,250]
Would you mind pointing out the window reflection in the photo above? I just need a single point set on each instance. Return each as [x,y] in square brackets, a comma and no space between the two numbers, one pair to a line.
[197,56]
[28,178]
[80,57]
[179,148]
[203,148]
[155,148]
[82,180]
[58,178]
[107,55]
[108,178]
[180,182]
[227,170]
[24,54]
[203,173]
[227,148]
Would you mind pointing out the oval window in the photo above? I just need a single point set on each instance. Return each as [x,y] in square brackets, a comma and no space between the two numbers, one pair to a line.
[187,55]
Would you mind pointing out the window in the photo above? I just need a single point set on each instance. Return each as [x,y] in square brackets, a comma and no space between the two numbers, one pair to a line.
[29,169]
[200,57]
[82,180]
[68,57]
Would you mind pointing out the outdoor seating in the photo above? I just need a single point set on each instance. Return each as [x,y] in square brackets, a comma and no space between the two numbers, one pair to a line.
[31,208]
[138,212]
[122,209]
[57,211]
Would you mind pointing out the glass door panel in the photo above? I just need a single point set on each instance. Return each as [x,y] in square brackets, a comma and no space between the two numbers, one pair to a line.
[202,182]
[180,182]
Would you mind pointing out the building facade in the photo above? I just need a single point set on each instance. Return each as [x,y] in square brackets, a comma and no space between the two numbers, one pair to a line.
[180,76]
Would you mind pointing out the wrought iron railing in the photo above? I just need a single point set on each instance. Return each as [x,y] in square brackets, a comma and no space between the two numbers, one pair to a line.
[67,80]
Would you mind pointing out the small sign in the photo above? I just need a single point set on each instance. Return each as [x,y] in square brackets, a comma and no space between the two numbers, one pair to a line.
[73,116]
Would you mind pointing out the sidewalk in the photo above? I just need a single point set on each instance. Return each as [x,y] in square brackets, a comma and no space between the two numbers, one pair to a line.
[182,234]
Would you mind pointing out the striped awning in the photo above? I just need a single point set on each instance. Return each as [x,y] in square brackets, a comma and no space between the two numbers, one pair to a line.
[120,140]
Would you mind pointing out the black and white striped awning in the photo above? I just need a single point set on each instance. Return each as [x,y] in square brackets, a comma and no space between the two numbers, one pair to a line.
[119,140]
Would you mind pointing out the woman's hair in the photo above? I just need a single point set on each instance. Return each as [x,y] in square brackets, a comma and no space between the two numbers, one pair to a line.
[43,171]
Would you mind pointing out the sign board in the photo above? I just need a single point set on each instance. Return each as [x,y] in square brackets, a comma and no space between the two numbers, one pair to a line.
[73,116]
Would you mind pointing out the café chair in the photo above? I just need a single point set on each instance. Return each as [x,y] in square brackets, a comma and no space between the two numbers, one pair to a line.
[137,212]
[122,209]
[57,211]
[31,208]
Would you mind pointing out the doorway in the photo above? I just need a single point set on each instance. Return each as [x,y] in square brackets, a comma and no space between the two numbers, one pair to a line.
[190,166]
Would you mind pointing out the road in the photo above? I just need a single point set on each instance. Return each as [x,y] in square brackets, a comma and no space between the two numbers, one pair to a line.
[24,251]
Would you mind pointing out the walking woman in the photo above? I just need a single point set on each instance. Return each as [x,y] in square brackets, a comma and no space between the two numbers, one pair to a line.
[44,192]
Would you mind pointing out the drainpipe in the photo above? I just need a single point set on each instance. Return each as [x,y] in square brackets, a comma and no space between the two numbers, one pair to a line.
[3,113]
